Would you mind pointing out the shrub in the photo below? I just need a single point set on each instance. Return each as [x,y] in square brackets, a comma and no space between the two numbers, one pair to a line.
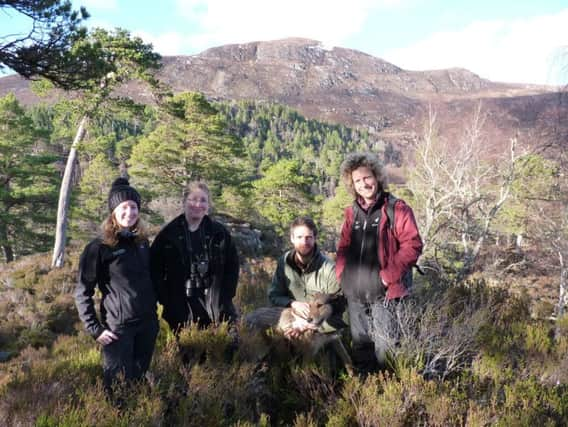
[35,337]
[529,403]
[212,344]
[538,338]
[254,278]
[435,333]
[62,316]
[467,355]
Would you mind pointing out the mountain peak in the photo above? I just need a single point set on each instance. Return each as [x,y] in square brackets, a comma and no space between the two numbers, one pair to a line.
[295,52]
[338,85]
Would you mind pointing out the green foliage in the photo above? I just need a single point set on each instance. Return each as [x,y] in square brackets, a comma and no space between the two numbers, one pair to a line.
[27,183]
[190,142]
[538,338]
[36,306]
[94,187]
[254,278]
[237,202]
[115,57]
[211,343]
[105,150]
[282,194]
[534,182]
[407,400]
[118,57]
[534,177]
[262,383]
[43,49]
[333,209]
[528,403]
[272,132]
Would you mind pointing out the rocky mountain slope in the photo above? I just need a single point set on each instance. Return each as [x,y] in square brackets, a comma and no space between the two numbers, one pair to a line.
[350,87]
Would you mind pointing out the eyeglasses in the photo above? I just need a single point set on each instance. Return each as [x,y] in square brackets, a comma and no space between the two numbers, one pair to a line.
[203,201]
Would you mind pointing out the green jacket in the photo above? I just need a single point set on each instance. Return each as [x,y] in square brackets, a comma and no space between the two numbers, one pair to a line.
[289,283]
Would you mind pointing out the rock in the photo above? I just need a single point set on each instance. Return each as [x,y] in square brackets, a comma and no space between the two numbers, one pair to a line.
[5,356]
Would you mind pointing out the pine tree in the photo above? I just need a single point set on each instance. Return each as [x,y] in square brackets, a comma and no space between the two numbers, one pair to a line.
[122,58]
[44,48]
[282,194]
[190,142]
[27,183]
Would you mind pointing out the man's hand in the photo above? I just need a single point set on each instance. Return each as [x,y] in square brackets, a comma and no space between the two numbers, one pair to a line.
[293,333]
[297,332]
[302,309]
[106,337]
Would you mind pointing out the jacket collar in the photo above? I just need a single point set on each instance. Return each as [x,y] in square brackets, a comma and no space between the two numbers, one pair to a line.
[368,209]
[314,264]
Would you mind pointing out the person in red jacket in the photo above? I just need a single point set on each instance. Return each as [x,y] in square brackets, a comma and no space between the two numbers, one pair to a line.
[373,257]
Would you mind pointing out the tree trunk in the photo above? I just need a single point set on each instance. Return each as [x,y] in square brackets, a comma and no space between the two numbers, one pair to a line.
[519,243]
[563,287]
[64,197]
[6,248]
[8,253]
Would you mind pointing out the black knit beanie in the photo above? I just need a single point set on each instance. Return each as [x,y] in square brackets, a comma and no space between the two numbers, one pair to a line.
[120,192]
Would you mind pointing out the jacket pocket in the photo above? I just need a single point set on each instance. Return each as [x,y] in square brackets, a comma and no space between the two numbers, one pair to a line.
[120,308]
[111,304]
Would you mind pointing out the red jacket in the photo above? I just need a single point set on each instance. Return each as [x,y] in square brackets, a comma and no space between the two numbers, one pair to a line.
[399,248]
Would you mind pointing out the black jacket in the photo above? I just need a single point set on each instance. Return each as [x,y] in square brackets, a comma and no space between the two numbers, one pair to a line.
[360,279]
[171,264]
[122,273]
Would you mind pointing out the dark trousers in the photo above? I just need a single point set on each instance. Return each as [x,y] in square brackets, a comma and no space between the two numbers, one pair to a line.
[131,354]
[373,331]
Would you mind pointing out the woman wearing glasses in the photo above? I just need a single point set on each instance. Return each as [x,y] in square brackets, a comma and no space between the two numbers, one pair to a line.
[194,265]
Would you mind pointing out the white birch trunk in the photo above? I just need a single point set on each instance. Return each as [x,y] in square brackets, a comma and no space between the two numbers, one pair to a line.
[64,197]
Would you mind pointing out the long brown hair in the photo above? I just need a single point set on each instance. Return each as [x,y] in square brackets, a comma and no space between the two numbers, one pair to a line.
[110,230]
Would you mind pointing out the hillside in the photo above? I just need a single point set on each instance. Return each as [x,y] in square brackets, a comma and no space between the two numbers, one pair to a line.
[482,339]
[355,89]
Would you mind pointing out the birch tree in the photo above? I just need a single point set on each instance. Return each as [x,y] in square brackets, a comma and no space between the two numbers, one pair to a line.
[461,188]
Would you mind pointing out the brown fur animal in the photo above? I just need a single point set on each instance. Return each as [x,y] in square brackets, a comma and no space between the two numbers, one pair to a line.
[313,339]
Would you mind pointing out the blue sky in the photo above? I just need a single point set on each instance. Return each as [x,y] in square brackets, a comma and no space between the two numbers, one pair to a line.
[520,41]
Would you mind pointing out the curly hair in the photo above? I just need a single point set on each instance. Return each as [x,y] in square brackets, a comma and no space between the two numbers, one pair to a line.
[354,161]
[110,230]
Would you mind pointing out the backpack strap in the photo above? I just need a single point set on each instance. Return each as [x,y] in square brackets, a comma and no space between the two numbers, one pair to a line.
[390,214]
[391,200]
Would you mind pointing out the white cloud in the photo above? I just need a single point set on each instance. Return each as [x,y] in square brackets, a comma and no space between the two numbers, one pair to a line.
[166,43]
[520,51]
[100,23]
[229,21]
[100,4]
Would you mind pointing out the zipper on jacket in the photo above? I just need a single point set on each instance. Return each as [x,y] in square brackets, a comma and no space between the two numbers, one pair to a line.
[362,243]
[361,254]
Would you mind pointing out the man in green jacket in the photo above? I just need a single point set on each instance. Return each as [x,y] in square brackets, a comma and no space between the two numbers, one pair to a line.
[303,271]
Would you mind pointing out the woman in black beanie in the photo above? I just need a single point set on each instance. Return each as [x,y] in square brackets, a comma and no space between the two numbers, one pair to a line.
[118,264]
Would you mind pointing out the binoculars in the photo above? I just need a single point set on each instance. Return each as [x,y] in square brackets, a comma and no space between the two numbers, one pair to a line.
[198,277]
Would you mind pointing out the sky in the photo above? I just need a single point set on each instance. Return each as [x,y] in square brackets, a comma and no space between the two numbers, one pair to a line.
[515,41]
